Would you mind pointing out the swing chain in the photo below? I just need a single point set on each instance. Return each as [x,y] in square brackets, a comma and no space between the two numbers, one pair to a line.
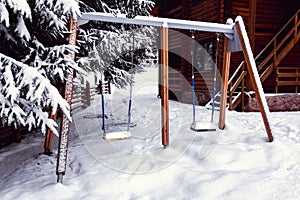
[193,76]
[217,49]
[215,77]
[192,51]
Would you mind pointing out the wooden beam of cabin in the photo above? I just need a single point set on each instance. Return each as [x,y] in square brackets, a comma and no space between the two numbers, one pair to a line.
[252,22]
[49,136]
[253,74]
[157,21]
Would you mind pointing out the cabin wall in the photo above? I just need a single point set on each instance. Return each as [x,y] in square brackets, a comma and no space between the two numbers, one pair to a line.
[9,135]
[234,9]
[207,11]
[269,18]
[180,42]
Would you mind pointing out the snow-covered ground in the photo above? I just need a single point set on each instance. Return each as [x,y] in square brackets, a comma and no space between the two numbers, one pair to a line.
[234,163]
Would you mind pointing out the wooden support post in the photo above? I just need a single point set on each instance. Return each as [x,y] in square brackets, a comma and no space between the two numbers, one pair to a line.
[252,22]
[225,76]
[251,33]
[297,79]
[253,74]
[49,137]
[87,94]
[296,27]
[63,139]
[276,87]
[164,86]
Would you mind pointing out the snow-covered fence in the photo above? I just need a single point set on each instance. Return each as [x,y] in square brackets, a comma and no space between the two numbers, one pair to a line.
[103,87]
[93,92]
[82,96]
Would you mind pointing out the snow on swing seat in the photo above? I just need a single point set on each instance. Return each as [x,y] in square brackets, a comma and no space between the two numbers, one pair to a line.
[203,126]
[114,136]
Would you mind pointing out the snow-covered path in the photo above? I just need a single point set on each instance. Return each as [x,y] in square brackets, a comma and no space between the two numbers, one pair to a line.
[236,163]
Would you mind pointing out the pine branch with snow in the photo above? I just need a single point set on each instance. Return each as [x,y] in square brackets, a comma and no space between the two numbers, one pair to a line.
[116,54]
[114,42]
[24,94]
[34,58]
[131,8]
[54,62]
[53,15]
[34,55]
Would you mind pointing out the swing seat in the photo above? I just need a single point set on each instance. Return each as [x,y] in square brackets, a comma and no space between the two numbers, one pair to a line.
[203,126]
[123,124]
[115,136]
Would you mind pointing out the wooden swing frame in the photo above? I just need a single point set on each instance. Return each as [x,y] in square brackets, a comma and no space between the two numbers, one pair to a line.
[236,35]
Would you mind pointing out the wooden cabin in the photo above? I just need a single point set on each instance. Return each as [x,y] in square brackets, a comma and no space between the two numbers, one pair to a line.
[273,28]
[9,135]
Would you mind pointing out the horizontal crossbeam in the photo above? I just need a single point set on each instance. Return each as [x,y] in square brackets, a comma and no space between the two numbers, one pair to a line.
[158,21]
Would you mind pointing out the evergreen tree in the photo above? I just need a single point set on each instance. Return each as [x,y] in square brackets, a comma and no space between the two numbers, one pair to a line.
[33,60]
[111,47]
[34,55]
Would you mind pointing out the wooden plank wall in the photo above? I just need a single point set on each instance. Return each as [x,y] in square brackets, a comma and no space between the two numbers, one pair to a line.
[208,11]
[205,10]
[9,135]
[293,58]
[234,9]
[270,17]
[175,47]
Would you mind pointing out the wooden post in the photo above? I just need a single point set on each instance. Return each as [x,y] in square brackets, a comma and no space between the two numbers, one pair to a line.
[49,137]
[253,74]
[252,22]
[251,33]
[225,76]
[164,86]
[297,79]
[87,94]
[49,134]
[63,139]
[296,27]
[276,87]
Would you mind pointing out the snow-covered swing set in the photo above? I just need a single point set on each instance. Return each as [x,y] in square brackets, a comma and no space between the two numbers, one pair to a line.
[236,40]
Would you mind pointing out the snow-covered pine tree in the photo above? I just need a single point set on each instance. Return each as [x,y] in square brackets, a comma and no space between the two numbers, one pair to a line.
[34,59]
[110,45]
